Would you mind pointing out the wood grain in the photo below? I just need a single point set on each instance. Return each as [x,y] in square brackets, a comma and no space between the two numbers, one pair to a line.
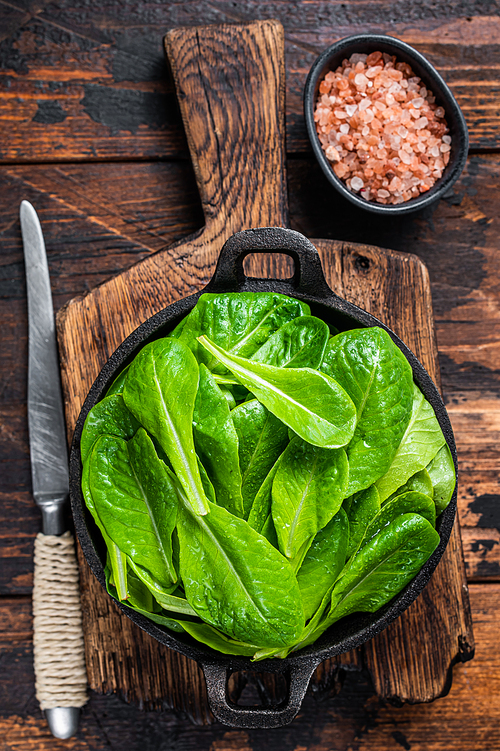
[78,84]
[468,719]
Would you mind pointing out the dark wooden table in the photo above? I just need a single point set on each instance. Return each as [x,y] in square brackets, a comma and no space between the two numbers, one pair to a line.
[91,134]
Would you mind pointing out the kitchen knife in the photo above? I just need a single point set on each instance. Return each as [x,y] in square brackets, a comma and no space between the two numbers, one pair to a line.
[59,658]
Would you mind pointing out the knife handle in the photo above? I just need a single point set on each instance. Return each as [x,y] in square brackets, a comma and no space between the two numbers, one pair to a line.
[59,656]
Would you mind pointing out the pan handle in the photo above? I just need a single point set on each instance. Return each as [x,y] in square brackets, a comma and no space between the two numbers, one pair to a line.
[216,676]
[308,278]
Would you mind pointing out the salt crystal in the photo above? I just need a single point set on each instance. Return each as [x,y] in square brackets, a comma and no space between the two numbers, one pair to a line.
[402,131]
[360,81]
[439,112]
[340,114]
[421,123]
[357,183]
[344,128]
[374,71]
[446,139]
[364,104]
[383,193]
[418,102]
[404,156]
[445,147]
[434,151]
[357,57]
[351,109]
[365,131]
[332,154]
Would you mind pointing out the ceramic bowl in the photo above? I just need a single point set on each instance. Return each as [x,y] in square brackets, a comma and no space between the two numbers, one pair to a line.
[331,58]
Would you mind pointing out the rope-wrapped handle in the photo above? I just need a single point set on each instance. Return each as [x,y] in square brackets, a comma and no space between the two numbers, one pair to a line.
[61,677]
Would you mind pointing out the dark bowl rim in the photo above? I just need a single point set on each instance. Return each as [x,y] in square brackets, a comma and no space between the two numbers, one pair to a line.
[431,78]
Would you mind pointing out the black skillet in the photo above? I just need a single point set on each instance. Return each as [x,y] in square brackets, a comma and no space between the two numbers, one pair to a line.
[308,284]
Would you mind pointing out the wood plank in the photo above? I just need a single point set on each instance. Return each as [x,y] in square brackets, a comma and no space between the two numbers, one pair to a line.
[77,86]
[468,719]
[84,208]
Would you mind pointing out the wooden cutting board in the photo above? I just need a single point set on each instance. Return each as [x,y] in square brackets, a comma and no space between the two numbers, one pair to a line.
[230,83]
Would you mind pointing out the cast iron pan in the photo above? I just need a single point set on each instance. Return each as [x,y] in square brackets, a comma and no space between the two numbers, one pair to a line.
[307,284]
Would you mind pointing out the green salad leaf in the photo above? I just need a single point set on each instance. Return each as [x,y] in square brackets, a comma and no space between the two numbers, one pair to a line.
[216,443]
[422,440]
[134,500]
[261,440]
[297,344]
[378,378]
[312,404]
[160,391]
[238,322]
[441,472]
[236,580]
[308,490]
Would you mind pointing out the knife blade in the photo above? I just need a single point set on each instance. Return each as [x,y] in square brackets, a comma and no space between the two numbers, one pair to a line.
[47,430]
[56,609]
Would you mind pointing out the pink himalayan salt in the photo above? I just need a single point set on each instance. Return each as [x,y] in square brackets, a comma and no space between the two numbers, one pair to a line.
[381,129]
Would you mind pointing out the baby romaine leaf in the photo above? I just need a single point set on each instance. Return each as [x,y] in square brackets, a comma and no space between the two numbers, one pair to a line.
[309,402]
[239,322]
[376,574]
[378,378]
[135,501]
[261,507]
[297,344]
[213,638]
[261,439]
[167,597]
[269,532]
[235,580]
[228,396]
[323,562]
[411,502]
[383,567]
[422,440]
[420,482]
[108,417]
[361,508]
[140,599]
[160,391]
[308,490]
[208,488]
[118,384]
[116,559]
[442,475]
[216,443]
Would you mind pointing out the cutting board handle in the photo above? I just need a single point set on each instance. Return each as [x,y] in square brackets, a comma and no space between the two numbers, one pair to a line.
[230,82]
